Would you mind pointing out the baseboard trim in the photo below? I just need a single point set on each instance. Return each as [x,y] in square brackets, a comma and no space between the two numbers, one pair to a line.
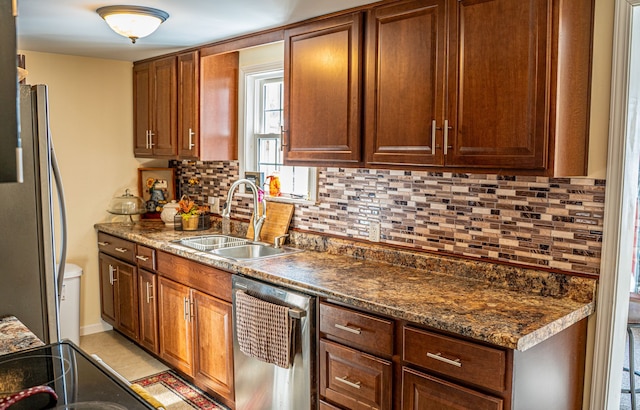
[95,328]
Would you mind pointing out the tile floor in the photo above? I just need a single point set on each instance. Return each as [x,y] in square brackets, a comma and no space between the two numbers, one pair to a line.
[121,354]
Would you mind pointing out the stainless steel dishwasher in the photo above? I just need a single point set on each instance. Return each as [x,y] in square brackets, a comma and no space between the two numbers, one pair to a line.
[264,386]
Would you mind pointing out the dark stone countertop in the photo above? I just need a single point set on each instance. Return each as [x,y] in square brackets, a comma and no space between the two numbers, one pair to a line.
[14,336]
[511,307]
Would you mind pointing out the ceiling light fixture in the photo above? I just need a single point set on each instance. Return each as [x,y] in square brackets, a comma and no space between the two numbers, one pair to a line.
[132,21]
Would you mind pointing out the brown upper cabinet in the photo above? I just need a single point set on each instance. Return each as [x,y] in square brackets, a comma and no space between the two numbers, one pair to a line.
[473,84]
[155,113]
[322,77]
[497,85]
[188,105]
[219,106]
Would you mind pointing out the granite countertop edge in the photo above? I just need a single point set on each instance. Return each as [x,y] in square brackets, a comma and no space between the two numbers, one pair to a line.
[467,307]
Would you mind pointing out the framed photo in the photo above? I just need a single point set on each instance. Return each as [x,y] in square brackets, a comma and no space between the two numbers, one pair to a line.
[255,177]
[156,187]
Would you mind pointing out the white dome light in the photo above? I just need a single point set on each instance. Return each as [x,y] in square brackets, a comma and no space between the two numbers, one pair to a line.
[133,22]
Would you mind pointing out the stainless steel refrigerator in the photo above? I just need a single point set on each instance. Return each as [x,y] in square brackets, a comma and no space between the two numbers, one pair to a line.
[31,269]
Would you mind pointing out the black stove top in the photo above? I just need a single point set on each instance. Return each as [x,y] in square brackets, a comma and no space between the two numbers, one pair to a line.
[78,380]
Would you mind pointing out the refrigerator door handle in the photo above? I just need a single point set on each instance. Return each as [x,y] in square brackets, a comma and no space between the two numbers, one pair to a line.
[63,221]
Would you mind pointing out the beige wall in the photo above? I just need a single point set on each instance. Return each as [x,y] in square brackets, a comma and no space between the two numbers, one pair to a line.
[92,131]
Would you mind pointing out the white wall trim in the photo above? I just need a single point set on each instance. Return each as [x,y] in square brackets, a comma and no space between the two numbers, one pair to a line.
[614,287]
[95,328]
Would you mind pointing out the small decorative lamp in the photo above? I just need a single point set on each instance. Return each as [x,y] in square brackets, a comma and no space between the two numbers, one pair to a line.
[133,22]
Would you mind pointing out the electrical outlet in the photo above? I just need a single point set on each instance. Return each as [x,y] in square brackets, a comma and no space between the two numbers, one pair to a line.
[214,205]
[374,231]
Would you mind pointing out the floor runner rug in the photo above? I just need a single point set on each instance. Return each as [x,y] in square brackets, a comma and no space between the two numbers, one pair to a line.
[176,393]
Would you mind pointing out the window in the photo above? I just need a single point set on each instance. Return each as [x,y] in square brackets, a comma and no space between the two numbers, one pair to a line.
[264,117]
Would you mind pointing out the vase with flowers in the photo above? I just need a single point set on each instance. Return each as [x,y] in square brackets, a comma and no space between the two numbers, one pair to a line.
[190,213]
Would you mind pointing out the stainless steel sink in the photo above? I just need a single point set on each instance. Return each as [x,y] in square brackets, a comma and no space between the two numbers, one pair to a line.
[207,243]
[249,251]
[239,249]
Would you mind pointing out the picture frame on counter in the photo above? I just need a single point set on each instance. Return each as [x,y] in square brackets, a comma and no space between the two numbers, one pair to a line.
[156,187]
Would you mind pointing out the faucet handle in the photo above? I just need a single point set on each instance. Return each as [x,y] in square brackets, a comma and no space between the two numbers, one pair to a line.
[278,241]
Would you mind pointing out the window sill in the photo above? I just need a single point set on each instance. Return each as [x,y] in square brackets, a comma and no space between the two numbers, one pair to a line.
[287,200]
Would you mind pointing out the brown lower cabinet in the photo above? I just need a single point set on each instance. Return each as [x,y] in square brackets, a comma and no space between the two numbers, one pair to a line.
[423,392]
[371,362]
[118,295]
[148,310]
[195,327]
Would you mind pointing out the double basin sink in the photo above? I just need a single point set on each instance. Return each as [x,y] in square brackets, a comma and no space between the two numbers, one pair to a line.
[230,247]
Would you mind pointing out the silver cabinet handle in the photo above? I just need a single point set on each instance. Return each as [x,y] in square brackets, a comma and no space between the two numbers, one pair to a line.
[121,250]
[111,276]
[446,137]
[355,385]
[151,134]
[433,136]
[282,142]
[438,356]
[142,258]
[149,296]
[347,328]
[103,243]
[191,135]
[186,306]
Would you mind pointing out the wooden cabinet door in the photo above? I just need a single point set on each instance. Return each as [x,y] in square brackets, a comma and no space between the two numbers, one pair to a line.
[164,133]
[107,290]
[322,77]
[142,100]
[213,337]
[498,110]
[126,283]
[148,309]
[424,392]
[188,108]
[219,107]
[405,80]
[174,319]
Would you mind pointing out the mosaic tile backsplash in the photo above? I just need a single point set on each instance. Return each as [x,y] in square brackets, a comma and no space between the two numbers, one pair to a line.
[534,221]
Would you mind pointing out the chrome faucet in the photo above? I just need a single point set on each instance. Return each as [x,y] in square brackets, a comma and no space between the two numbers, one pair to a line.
[257,221]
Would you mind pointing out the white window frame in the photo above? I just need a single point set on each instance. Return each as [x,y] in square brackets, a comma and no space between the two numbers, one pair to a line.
[247,143]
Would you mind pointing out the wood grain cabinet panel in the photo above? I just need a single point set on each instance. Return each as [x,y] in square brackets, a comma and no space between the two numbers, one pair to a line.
[155,108]
[469,362]
[323,92]
[498,90]
[405,82]
[356,329]
[119,295]
[354,379]
[423,392]
[189,105]
[148,309]
[219,106]
[213,332]
[174,317]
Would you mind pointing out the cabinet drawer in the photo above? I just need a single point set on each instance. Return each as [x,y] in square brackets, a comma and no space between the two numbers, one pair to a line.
[424,392]
[117,247]
[474,363]
[146,257]
[212,281]
[354,379]
[327,406]
[366,332]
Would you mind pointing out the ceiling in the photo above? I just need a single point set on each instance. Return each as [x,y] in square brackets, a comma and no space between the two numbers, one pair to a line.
[73,27]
